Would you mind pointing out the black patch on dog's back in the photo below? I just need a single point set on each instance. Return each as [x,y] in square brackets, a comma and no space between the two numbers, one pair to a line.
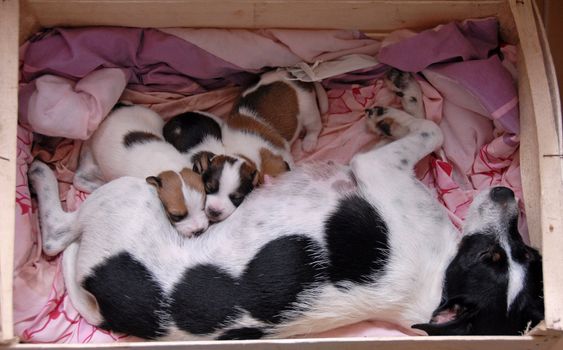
[136,137]
[204,299]
[129,298]
[187,130]
[208,298]
[276,276]
[241,334]
[357,241]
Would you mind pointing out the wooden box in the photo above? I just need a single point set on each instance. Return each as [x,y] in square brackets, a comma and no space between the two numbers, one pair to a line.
[540,114]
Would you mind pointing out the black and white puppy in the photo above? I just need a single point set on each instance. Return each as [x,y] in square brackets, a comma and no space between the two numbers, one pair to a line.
[228,178]
[327,246]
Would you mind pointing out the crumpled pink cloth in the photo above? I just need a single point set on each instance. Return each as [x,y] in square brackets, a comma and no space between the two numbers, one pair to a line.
[62,107]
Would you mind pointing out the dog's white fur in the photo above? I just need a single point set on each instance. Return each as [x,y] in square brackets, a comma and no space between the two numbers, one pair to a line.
[140,160]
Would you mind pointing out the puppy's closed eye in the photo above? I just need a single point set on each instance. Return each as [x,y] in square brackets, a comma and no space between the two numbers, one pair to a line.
[236,199]
[176,217]
[211,187]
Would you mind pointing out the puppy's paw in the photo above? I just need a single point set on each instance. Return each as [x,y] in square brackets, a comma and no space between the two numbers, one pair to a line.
[386,122]
[407,88]
[398,81]
[309,144]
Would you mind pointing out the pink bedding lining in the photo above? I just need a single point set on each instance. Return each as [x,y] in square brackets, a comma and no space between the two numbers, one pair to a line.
[488,156]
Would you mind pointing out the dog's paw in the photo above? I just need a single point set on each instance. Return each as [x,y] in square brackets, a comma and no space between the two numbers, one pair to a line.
[309,144]
[37,171]
[398,81]
[387,121]
[407,88]
[37,168]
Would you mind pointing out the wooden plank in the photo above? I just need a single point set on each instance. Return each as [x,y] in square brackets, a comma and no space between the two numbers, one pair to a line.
[537,113]
[553,59]
[8,127]
[367,15]
[435,343]
[554,26]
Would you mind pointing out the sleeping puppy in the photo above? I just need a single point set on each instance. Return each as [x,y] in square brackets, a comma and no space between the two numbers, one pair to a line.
[327,246]
[190,129]
[279,109]
[129,142]
[228,178]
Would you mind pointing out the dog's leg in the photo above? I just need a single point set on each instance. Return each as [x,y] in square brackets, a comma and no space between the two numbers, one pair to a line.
[84,302]
[56,225]
[313,126]
[416,139]
[87,177]
[406,87]
[312,105]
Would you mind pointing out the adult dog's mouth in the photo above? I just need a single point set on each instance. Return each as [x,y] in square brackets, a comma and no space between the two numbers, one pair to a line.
[454,314]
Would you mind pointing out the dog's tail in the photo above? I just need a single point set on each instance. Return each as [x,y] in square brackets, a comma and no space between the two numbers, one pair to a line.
[84,302]
[322,97]
[57,226]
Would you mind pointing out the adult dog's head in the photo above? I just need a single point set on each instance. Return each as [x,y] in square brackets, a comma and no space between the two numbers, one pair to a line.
[494,284]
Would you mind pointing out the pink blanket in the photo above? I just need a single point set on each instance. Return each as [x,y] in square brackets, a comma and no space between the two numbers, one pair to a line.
[478,152]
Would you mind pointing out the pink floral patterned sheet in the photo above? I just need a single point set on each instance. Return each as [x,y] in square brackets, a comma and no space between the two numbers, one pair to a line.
[478,152]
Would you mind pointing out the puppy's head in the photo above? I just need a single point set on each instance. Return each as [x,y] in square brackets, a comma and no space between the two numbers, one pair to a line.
[183,197]
[494,284]
[227,181]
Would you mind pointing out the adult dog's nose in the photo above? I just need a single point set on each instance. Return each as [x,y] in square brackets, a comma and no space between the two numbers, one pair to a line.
[501,194]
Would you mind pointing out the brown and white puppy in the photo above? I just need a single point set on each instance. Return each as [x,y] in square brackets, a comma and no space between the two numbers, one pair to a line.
[227,181]
[183,196]
[276,110]
[130,143]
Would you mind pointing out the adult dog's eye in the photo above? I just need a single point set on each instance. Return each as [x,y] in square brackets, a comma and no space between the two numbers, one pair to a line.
[492,256]
[236,199]
[177,217]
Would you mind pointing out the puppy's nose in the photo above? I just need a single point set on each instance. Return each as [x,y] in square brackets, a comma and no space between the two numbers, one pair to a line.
[501,194]
[213,213]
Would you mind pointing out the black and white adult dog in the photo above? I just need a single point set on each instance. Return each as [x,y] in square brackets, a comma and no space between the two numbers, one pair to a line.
[323,246]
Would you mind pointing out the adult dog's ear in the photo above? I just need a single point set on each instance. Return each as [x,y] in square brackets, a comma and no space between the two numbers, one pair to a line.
[201,161]
[155,181]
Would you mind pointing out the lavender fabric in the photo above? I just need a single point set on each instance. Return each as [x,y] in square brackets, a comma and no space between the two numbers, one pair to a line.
[467,40]
[151,58]
[491,83]
[361,77]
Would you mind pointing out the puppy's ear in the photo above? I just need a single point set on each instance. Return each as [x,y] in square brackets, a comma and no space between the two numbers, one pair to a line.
[256,178]
[201,161]
[272,164]
[155,181]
